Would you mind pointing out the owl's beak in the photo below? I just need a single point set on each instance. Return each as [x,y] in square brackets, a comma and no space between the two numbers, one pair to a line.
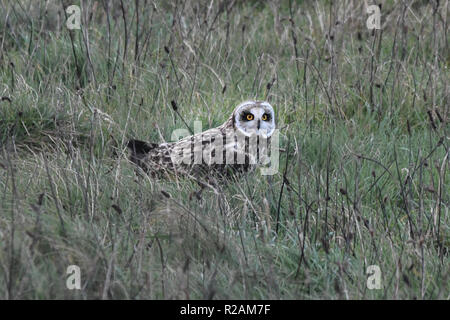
[259,124]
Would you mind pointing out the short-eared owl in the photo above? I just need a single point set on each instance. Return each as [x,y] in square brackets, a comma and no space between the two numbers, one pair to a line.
[239,144]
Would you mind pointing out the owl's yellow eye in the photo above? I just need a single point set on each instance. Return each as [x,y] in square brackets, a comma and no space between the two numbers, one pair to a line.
[264,117]
[249,117]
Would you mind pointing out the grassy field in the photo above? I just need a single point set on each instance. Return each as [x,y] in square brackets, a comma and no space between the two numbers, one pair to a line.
[364,134]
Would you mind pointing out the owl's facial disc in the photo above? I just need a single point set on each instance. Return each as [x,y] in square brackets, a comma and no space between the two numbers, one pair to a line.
[255,118]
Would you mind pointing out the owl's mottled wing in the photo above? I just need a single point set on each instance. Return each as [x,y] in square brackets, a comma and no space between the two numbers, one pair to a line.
[192,155]
[217,152]
[151,157]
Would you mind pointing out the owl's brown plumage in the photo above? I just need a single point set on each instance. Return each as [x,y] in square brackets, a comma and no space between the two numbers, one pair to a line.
[238,145]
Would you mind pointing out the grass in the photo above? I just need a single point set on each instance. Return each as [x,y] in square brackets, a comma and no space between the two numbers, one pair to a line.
[363,180]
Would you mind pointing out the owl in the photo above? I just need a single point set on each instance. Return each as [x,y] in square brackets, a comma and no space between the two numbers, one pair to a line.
[239,145]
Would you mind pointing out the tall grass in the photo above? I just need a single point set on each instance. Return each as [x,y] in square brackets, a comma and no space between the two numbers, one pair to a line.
[363,180]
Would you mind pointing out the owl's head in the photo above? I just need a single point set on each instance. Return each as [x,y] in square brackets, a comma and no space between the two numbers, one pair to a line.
[254,117]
